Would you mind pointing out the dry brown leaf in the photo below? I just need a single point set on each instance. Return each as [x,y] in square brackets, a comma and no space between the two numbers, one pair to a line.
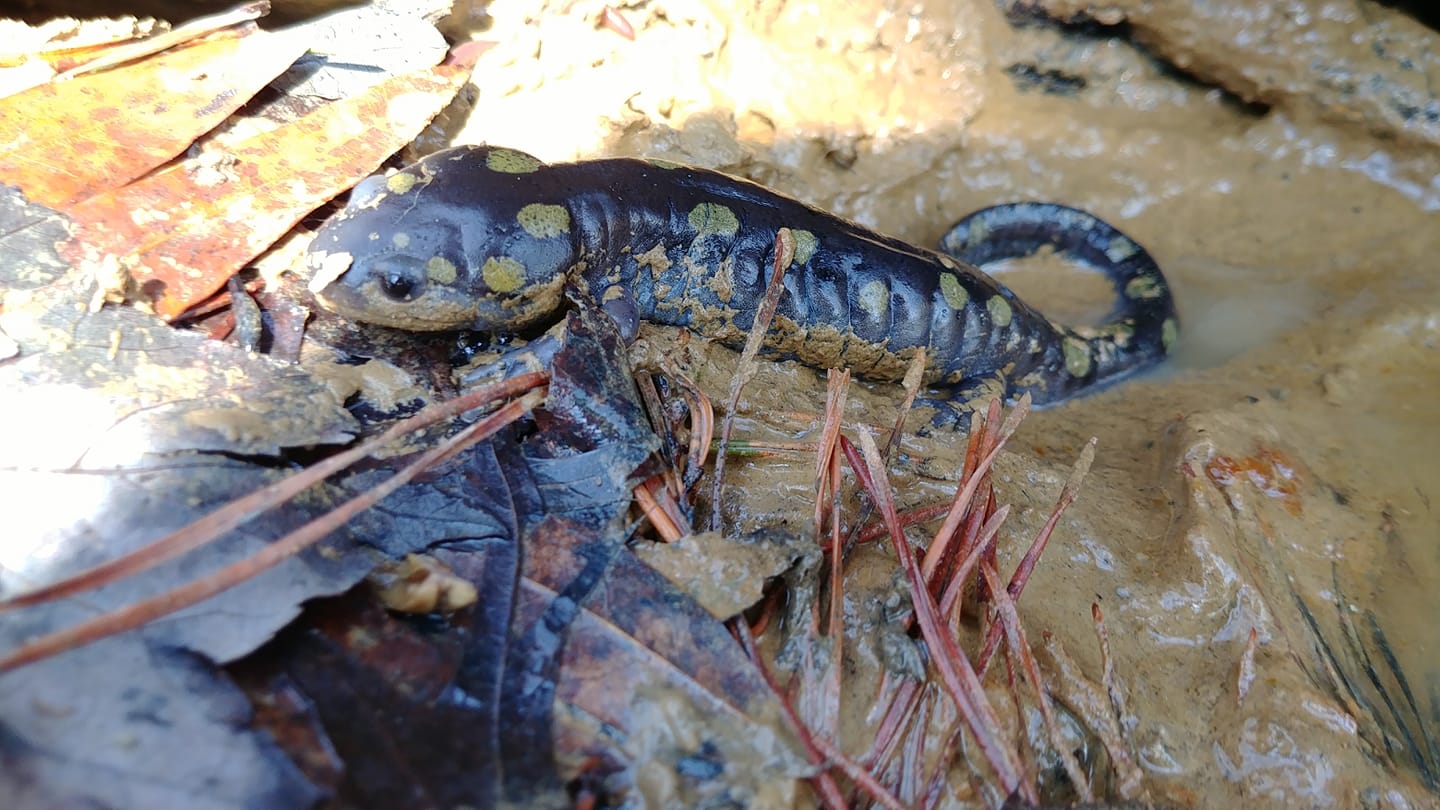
[68,141]
[184,230]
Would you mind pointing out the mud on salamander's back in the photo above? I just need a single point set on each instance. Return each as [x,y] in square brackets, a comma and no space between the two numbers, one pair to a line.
[488,238]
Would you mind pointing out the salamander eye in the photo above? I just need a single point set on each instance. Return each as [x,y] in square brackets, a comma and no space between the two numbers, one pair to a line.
[399,277]
[397,286]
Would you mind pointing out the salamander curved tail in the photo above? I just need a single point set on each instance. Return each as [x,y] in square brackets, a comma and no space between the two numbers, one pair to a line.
[1139,332]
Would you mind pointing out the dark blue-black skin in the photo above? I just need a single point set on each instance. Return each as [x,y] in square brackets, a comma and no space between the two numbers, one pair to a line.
[488,238]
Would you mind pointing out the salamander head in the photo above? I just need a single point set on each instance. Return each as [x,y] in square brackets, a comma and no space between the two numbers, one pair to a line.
[451,242]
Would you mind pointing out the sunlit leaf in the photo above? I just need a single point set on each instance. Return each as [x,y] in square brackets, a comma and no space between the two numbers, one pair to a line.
[184,230]
[64,142]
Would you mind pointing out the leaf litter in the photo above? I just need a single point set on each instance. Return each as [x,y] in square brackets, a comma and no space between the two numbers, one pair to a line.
[578,661]
[119,428]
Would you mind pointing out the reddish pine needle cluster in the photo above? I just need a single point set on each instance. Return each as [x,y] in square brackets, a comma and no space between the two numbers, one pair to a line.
[960,556]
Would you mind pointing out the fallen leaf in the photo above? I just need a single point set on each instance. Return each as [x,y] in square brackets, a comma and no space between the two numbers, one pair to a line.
[725,575]
[653,682]
[132,720]
[65,142]
[110,387]
[30,55]
[422,717]
[103,413]
[125,724]
[184,230]
[369,703]
[572,635]
[130,386]
[28,258]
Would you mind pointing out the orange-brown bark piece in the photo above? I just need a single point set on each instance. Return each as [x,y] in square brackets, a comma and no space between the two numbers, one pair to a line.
[64,142]
[184,230]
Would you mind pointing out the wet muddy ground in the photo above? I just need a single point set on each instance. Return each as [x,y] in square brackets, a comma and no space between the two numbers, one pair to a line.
[1279,160]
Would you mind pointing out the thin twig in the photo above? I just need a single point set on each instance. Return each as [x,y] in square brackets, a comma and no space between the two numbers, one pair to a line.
[950,600]
[702,422]
[1019,651]
[148,610]
[1098,713]
[914,378]
[241,511]
[1107,672]
[659,507]
[908,518]
[1027,563]
[931,797]
[911,767]
[956,674]
[902,704]
[827,494]
[966,493]
[656,413]
[196,28]
[862,778]
[826,487]
[784,256]
[823,781]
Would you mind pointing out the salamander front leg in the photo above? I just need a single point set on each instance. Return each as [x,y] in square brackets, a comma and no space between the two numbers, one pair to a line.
[621,307]
[952,413]
[533,356]
[538,353]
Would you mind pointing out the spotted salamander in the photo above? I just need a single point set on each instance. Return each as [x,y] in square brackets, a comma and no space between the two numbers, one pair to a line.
[489,238]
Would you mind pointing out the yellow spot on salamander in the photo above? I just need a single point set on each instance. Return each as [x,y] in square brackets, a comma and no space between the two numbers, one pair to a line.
[949,263]
[708,218]
[503,274]
[508,161]
[1000,312]
[805,244]
[400,240]
[400,182]
[440,270]
[1169,332]
[955,293]
[1077,357]
[661,163]
[1143,287]
[976,232]
[874,298]
[1119,249]
[544,221]
[1121,332]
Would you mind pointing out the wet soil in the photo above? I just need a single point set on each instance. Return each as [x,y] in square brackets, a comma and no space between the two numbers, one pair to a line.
[1278,159]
